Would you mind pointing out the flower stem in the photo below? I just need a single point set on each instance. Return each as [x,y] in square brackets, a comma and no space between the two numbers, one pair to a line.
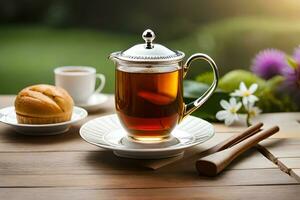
[248,120]
[248,115]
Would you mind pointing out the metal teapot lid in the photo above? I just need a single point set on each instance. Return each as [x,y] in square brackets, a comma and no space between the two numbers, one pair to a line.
[149,51]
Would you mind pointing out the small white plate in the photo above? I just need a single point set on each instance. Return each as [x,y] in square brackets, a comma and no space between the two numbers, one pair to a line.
[107,132]
[8,116]
[94,102]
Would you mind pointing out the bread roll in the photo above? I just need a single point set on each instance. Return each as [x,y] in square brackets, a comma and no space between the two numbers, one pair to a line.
[43,104]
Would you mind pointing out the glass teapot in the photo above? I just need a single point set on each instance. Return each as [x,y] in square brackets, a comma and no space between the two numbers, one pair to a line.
[149,88]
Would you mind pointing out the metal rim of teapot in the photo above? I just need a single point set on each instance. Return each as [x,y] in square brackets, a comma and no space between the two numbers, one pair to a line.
[148,59]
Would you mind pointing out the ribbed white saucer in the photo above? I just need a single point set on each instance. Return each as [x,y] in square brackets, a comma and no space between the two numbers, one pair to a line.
[107,132]
[8,116]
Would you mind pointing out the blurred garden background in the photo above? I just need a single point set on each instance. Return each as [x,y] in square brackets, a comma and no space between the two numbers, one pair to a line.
[37,36]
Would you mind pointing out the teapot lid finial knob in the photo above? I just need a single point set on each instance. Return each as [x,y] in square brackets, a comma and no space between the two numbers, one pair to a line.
[148,36]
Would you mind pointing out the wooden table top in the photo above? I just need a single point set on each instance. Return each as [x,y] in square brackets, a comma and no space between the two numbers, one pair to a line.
[66,167]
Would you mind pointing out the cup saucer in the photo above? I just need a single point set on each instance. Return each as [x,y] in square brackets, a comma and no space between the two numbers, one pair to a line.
[8,116]
[94,102]
[107,132]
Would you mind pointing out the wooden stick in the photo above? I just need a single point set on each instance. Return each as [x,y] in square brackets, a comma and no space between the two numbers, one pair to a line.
[233,140]
[213,164]
[242,136]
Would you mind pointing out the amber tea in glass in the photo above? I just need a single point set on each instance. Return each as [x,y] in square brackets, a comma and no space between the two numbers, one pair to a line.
[149,103]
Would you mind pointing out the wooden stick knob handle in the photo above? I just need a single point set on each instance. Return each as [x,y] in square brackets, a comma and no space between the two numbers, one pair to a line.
[215,163]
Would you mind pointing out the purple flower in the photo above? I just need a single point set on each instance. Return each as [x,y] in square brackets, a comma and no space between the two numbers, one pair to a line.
[293,80]
[292,74]
[269,63]
[291,84]
[296,55]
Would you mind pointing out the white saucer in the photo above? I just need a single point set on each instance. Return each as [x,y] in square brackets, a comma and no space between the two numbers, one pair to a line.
[94,102]
[107,132]
[8,116]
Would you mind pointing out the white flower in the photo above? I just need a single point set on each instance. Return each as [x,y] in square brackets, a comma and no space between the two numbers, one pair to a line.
[253,110]
[245,93]
[230,112]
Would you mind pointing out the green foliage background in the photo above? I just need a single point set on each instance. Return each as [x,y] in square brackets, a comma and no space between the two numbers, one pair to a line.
[28,54]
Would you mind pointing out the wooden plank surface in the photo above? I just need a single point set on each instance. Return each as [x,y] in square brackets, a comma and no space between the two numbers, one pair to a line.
[292,163]
[281,148]
[104,170]
[296,174]
[66,167]
[35,168]
[274,192]
[138,179]
[289,123]
[89,163]
[285,153]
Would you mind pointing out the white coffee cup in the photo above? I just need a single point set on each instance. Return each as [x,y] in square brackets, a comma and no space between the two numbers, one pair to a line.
[79,81]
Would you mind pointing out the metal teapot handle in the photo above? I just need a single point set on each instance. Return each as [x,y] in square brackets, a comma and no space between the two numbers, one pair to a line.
[191,107]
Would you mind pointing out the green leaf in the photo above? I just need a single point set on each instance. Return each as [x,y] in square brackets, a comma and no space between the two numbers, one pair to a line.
[273,83]
[206,77]
[292,62]
[271,100]
[231,81]
[193,90]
